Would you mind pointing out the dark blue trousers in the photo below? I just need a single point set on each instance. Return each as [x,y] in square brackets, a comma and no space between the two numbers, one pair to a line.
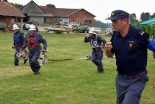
[33,57]
[129,90]
[97,57]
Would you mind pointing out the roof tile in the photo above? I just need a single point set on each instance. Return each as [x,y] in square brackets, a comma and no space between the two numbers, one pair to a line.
[7,9]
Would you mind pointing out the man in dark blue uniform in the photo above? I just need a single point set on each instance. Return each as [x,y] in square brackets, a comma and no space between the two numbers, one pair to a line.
[97,43]
[18,38]
[33,40]
[129,44]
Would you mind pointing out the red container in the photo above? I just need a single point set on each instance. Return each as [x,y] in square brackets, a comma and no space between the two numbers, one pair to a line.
[21,56]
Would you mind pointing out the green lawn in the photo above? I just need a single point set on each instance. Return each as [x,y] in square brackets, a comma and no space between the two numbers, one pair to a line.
[62,82]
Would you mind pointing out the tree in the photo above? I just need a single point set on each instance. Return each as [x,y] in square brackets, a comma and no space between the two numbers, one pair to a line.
[145,16]
[153,15]
[132,18]
[51,5]
[19,6]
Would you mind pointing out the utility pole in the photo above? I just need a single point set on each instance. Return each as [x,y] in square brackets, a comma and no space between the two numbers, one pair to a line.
[107,21]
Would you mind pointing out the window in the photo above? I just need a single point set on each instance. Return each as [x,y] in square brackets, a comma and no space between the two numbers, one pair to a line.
[85,16]
[88,22]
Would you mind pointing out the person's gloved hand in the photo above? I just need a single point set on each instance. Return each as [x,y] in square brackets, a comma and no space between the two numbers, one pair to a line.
[102,49]
[43,51]
[20,50]
[13,47]
[87,35]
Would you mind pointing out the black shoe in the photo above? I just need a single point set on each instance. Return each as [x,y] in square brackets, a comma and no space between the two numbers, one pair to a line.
[100,71]
[36,73]
[25,61]
[16,64]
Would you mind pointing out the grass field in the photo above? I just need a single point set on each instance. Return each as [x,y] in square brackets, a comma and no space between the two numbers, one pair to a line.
[62,82]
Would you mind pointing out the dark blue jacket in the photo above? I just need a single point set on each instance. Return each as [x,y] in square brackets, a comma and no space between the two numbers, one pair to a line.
[39,40]
[130,51]
[96,41]
[18,38]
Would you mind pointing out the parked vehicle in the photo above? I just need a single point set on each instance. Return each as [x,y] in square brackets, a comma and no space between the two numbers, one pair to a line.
[81,29]
[74,24]
[97,30]
[3,25]
[63,23]
[26,26]
[108,30]
[67,26]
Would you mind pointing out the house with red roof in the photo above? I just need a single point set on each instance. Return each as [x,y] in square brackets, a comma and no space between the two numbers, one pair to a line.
[44,14]
[8,13]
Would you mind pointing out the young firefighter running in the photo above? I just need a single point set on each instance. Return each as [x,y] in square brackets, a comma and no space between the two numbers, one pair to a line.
[33,40]
[18,39]
[97,43]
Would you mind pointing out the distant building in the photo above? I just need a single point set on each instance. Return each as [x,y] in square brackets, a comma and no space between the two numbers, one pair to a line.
[35,13]
[7,13]
[44,14]
[80,16]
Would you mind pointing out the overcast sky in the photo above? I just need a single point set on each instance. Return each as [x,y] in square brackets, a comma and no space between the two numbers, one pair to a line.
[100,8]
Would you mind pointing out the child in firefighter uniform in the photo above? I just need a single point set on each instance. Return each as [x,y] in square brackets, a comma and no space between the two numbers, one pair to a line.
[33,40]
[97,43]
[18,39]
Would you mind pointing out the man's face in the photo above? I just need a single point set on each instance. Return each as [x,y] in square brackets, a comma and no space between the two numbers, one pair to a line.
[31,32]
[90,35]
[15,30]
[119,24]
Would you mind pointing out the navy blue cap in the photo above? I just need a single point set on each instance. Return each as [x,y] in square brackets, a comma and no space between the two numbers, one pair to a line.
[118,14]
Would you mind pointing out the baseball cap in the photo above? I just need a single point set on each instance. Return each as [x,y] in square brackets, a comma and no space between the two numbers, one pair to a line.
[118,14]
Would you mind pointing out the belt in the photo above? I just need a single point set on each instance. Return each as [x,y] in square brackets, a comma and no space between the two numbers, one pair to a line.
[18,44]
[96,49]
[34,48]
[133,76]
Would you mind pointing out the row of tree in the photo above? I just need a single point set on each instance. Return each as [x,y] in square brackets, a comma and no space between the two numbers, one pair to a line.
[19,6]
[143,17]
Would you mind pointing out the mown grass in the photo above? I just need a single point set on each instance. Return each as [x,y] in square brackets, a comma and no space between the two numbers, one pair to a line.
[62,82]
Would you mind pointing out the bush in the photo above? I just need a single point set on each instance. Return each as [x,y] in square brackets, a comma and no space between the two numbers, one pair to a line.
[149,28]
